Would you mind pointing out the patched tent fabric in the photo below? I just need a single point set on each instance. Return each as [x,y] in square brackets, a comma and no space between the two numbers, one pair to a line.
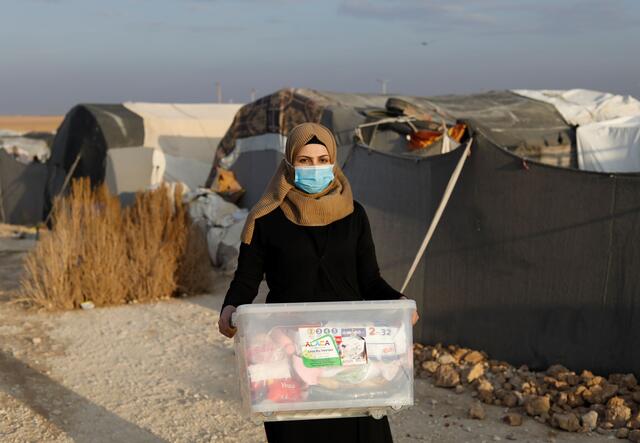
[610,146]
[530,128]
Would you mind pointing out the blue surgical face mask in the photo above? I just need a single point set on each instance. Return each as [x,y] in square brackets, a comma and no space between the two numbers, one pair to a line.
[313,179]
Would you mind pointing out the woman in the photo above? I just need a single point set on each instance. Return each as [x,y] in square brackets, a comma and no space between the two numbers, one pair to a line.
[314,244]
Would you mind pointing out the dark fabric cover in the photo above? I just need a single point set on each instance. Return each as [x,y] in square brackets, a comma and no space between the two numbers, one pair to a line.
[21,190]
[537,265]
[336,262]
[90,129]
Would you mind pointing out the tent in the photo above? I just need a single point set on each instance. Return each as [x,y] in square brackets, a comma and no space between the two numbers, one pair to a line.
[21,190]
[135,145]
[534,263]
[22,176]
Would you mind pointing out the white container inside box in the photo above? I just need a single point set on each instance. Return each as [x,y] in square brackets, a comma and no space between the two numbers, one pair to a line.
[324,360]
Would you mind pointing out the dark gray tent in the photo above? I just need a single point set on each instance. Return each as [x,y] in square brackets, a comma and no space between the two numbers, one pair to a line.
[80,146]
[533,263]
[21,190]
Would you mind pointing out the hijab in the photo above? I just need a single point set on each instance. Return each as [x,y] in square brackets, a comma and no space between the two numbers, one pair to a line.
[321,209]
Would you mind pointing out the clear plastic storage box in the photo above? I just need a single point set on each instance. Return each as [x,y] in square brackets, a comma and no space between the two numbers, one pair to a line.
[322,360]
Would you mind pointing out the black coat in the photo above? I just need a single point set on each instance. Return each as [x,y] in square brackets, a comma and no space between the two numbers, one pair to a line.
[336,262]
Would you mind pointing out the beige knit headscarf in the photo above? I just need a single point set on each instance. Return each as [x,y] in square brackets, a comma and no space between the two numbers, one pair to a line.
[303,209]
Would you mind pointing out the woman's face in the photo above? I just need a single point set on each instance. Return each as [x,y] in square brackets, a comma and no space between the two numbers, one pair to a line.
[313,154]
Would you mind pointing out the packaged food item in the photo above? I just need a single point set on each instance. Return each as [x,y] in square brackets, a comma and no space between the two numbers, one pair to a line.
[315,360]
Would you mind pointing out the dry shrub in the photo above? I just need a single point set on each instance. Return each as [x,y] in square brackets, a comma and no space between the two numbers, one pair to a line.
[99,252]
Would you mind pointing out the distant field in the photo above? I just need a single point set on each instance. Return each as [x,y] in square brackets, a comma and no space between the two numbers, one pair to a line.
[26,123]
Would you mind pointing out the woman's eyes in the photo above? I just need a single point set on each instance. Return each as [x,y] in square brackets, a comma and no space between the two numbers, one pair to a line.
[324,160]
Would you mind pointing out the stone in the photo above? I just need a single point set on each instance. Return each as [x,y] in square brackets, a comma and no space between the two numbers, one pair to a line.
[446,359]
[634,423]
[485,390]
[475,372]
[573,379]
[589,421]
[36,340]
[617,412]
[629,381]
[87,305]
[459,353]
[556,370]
[566,422]
[622,433]
[459,389]
[586,375]
[476,411]
[446,377]
[636,397]
[634,436]
[510,400]
[473,357]
[430,366]
[513,419]
[537,405]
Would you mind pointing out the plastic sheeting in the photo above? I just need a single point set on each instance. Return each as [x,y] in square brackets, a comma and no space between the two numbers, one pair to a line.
[610,146]
[584,106]
[223,223]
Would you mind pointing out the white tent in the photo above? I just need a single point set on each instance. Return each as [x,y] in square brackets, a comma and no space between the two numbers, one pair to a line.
[608,133]
[179,144]
[584,106]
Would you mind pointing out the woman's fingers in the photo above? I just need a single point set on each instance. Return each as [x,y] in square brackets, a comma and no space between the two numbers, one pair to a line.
[415,318]
[224,323]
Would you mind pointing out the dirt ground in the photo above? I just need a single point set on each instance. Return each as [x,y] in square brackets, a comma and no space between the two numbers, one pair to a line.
[27,123]
[160,372]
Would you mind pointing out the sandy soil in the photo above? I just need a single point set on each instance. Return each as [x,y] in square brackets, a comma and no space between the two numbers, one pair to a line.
[160,372]
[26,123]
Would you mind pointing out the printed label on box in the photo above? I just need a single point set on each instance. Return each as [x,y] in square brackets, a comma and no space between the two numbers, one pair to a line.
[321,351]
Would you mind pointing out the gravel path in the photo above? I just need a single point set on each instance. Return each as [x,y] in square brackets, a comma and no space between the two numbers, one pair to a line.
[160,372]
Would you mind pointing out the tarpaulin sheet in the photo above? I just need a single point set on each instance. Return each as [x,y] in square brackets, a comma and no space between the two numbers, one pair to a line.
[610,146]
[584,106]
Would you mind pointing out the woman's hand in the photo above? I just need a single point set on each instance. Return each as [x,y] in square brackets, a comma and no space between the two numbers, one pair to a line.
[224,323]
[415,317]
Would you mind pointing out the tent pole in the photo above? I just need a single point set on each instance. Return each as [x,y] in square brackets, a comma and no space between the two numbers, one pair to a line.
[67,179]
[436,218]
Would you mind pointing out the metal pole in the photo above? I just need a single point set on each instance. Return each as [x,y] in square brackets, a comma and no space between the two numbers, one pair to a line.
[436,218]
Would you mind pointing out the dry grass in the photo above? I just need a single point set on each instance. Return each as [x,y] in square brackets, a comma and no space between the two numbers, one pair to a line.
[101,253]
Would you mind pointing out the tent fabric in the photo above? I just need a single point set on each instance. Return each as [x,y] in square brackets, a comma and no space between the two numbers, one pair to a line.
[184,130]
[185,136]
[584,106]
[21,190]
[531,128]
[610,146]
[536,265]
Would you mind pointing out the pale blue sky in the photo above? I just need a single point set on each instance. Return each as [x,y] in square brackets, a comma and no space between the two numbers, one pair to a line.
[55,53]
